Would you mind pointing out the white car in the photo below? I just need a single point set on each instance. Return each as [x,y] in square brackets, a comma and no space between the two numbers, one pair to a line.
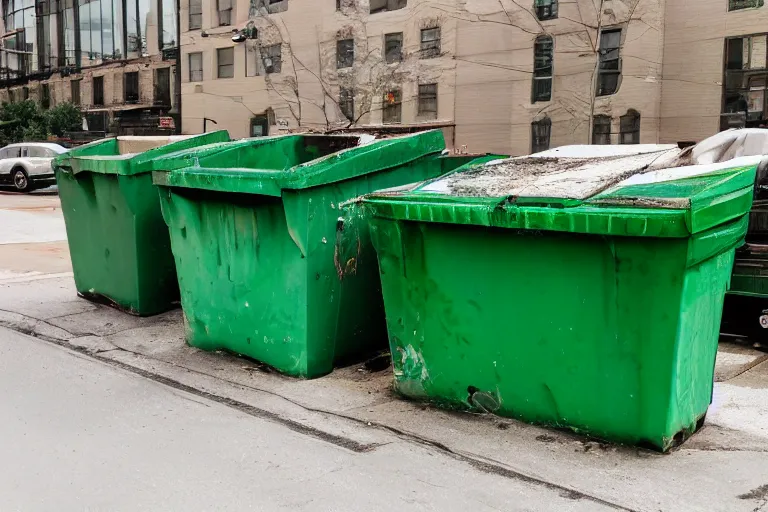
[27,165]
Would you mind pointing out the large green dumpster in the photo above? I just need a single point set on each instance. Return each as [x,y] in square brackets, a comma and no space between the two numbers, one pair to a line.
[118,241]
[266,266]
[563,292]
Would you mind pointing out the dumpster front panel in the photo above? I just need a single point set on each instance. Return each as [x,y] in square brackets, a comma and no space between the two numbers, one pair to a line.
[313,292]
[119,248]
[242,277]
[498,320]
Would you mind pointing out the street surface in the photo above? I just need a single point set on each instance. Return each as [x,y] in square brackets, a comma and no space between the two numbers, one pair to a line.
[102,411]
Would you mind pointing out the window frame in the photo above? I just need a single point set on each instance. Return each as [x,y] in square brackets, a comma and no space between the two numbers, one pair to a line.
[347,103]
[544,124]
[546,9]
[396,106]
[75,83]
[632,130]
[543,73]
[345,53]
[191,76]
[389,5]
[195,15]
[266,53]
[606,67]
[389,56]
[128,77]
[425,96]
[740,94]
[219,53]
[430,48]
[605,122]
[225,20]
[99,80]
[734,5]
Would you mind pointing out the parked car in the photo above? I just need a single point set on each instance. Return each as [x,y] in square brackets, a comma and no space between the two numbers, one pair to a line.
[27,165]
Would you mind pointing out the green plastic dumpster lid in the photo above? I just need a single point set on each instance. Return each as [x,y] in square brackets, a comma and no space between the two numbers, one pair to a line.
[216,167]
[104,156]
[644,194]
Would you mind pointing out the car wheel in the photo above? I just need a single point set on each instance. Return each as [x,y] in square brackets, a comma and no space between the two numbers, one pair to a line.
[20,180]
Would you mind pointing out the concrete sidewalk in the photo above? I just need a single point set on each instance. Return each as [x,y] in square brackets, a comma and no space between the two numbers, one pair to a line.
[724,467]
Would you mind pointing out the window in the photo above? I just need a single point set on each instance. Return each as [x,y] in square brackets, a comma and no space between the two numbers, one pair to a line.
[75,91]
[393,47]
[430,42]
[546,9]
[428,101]
[45,96]
[542,69]
[540,133]
[252,58]
[98,90]
[393,106]
[196,67]
[259,126]
[11,96]
[610,62]
[163,86]
[629,128]
[131,87]
[195,14]
[601,130]
[271,57]
[745,82]
[24,152]
[226,62]
[386,5]
[225,12]
[347,103]
[345,53]
[735,5]
[25,93]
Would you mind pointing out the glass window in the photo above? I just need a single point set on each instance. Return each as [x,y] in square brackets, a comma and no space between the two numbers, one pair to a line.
[610,62]
[196,67]
[392,108]
[169,19]
[546,9]
[601,130]
[98,90]
[430,43]
[226,62]
[629,128]
[540,133]
[542,69]
[345,53]
[75,91]
[45,96]
[734,5]
[428,101]
[195,14]
[225,12]
[386,5]
[131,87]
[271,57]
[745,82]
[393,47]
[347,103]
[163,86]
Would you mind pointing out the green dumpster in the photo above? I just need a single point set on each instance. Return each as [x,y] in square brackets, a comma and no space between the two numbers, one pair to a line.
[118,242]
[266,266]
[572,293]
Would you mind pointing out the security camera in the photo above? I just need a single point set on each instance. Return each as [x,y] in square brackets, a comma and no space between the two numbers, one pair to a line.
[238,37]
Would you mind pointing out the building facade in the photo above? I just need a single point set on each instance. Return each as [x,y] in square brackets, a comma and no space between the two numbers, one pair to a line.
[114,58]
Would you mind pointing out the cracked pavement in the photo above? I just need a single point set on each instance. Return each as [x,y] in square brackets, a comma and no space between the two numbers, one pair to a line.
[722,467]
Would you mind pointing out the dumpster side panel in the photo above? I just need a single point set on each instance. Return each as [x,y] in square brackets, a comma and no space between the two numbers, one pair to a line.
[497,320]
[106,222]
[343,281]
[242,277]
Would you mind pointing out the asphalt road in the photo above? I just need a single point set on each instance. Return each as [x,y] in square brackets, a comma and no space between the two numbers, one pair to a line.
[77,434]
